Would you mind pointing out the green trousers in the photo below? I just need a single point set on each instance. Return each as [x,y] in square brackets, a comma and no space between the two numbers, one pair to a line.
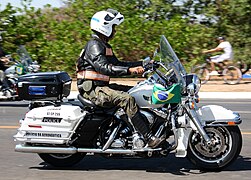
[113,95]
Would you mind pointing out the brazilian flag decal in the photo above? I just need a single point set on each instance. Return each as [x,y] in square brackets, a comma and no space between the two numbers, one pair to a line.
[162,95]
[19,69]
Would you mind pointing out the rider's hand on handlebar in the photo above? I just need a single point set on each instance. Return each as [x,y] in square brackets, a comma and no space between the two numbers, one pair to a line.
[136,70]
[4,59]
[151,62]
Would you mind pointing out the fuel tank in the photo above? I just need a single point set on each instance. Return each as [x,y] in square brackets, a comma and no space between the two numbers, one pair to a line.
[142,93]
[10,70]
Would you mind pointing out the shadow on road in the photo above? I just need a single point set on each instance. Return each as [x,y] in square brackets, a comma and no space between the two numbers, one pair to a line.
[170,164]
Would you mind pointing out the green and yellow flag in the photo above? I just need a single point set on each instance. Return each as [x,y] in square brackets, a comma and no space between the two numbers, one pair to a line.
[162,95]
[19,69]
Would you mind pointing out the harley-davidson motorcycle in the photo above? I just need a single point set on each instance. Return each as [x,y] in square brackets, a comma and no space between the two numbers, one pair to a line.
[19,67]
[62,131]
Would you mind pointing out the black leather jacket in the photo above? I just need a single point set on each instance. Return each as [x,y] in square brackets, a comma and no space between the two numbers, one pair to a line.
[3,67]
[2,53]
[98,56]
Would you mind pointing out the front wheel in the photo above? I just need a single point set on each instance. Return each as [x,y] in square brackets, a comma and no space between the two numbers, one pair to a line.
[202,73]
[232,75]
[225,148]
[62,160]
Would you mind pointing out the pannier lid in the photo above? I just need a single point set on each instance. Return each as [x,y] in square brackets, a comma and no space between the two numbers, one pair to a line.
[60,76]
[44,85]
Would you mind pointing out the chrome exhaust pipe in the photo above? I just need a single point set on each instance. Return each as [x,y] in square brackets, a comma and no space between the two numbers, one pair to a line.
[68,150]
[107,151]
[50,150]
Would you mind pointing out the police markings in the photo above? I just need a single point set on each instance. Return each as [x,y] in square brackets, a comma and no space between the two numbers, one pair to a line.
[38,134]
[51,120]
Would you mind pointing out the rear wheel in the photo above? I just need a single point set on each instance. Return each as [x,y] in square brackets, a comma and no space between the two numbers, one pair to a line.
[202,73]
[232,75]
[226,147]
[62,160]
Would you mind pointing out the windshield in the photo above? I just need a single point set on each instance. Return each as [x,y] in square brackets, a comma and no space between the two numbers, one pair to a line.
[171,61]
[24,56]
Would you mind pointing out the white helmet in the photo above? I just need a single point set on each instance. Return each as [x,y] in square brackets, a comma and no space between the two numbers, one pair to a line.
[103,21]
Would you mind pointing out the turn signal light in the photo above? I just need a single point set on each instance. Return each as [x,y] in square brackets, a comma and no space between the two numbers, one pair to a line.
[192,105]
[231,123]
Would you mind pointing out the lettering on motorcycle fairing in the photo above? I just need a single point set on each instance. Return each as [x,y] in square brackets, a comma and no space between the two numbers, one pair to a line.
[52,113]
[54,109]
[52,120]
[42,134]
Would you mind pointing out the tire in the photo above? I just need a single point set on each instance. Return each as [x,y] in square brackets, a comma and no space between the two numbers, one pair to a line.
[62,160]
[202,73]
[232,75]
[226,148]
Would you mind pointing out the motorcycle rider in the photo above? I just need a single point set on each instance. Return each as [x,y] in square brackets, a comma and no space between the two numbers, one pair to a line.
[3,61]
[227,55]
[97,63]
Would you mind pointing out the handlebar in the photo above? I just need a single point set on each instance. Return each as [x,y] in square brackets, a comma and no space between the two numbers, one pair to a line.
[153,66]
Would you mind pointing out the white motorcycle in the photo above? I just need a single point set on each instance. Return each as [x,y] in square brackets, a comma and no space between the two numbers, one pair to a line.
[62,131]
[19,67]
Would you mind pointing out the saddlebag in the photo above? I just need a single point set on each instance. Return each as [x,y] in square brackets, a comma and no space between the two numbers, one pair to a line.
[45,85]
[50,124]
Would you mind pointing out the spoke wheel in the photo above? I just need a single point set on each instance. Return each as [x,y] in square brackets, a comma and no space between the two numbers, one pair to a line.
[232,75]
[202,73]
[225,148]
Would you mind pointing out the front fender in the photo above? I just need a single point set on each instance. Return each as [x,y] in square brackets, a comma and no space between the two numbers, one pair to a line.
[215,115]
[210,115]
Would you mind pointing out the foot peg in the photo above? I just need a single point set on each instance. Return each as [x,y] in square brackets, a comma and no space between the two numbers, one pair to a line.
[154,141]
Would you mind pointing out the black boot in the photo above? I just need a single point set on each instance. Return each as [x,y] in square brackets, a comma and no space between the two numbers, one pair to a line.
[141,124]
[154,141]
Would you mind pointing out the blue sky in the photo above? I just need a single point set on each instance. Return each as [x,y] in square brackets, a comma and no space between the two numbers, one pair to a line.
[35,3]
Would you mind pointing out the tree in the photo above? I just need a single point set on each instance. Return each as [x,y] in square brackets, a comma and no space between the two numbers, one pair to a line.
[229,18]
[55,36]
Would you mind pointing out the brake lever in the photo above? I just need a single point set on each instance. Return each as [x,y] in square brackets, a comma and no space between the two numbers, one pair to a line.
[145,73]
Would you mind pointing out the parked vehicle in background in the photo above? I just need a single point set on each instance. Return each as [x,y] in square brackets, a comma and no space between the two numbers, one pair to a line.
[244,67]
[9,77]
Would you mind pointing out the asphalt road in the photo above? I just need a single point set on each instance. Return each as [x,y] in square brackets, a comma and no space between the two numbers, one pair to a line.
[24,166]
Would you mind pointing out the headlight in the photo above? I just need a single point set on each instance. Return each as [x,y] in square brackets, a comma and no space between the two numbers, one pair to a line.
[193,83]
[197,83]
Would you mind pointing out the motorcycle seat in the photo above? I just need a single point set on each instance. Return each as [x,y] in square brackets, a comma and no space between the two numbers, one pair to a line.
[86,102]
[91,106]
